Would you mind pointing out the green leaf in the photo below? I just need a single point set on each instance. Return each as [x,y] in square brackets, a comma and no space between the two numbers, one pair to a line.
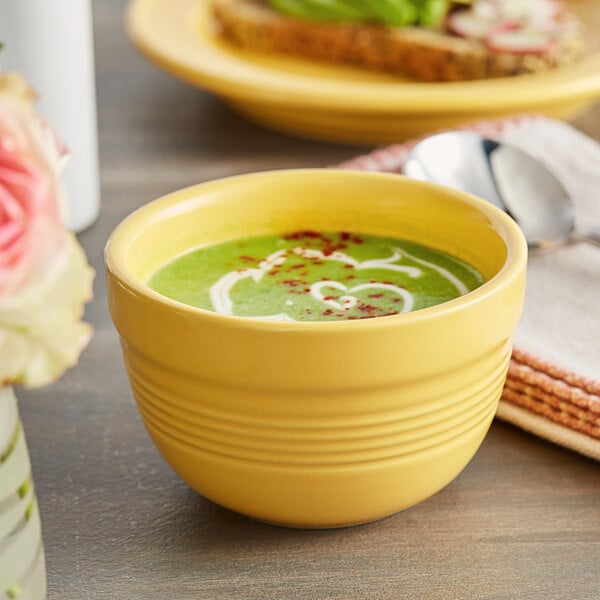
[433,13]
[320,10]
[395,13]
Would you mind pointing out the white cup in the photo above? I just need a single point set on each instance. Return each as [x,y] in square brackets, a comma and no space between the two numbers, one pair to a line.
[50,42]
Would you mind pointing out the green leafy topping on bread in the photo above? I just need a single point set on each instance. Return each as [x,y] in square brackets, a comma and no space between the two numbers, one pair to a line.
[396,13]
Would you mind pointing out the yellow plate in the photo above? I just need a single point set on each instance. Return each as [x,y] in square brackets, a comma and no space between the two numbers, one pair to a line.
[346,104]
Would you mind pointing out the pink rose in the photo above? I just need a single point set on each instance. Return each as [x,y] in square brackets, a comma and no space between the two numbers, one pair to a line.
[30,190]
[45,279]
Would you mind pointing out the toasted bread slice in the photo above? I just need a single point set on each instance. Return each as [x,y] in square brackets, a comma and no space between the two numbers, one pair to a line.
[423,54]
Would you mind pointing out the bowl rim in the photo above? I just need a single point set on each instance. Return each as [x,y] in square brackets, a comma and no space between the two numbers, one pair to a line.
[127,230]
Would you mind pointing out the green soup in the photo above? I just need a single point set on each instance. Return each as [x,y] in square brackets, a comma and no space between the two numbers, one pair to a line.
[313,276]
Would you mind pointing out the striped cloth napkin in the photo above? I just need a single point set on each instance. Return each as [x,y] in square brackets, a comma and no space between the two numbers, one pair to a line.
[553,384]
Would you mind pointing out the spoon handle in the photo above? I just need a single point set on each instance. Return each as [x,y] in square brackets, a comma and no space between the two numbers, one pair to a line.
[590,236]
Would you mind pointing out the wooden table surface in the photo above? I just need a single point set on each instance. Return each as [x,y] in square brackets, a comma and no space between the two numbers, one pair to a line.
[522,521]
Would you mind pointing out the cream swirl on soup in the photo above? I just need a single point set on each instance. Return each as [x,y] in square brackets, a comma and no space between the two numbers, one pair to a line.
[313,276]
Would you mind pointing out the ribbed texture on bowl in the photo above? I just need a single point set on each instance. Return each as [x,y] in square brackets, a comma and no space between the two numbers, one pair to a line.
[375,435]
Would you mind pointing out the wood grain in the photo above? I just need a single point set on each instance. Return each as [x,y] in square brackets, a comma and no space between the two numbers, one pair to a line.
[522,521]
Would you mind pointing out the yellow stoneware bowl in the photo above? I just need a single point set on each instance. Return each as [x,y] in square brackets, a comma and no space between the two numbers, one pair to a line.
[317,424]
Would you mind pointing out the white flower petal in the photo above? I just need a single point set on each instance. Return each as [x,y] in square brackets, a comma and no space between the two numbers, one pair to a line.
[41,333]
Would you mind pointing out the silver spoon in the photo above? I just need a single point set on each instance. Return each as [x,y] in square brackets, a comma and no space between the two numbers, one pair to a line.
[505,176]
